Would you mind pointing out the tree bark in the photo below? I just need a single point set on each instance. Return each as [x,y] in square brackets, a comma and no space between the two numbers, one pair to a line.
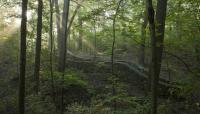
[58,22]
[112,53]
[72,19]
[157,38]
[51,48]
[153,66]
[143,40]
[160,29]
[63,49]
[178,23]
[73,16]
[114,35]
[38,46]
[80,35]
[22,66]
[63,41]
[95,38]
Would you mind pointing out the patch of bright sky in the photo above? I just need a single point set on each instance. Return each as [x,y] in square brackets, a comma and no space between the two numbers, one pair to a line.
[109,13]
[12,23]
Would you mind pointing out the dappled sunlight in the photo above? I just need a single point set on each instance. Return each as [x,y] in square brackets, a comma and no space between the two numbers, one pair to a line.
[11,21]
[90,45]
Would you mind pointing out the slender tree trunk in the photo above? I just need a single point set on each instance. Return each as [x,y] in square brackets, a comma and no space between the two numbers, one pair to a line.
[113,48]
[179,23]
[58,22]
[73,16]
[95,39]
[143,40]
[74,42]
[63,50]
[160,29]
[51,48]
[169,70]
[157,38]
[22,65]
[80,31]
[114,35]
[72,19]
[153,65]
[38,46]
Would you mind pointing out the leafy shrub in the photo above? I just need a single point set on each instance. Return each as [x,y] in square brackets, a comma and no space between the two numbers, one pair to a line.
[36,104]
[74,88]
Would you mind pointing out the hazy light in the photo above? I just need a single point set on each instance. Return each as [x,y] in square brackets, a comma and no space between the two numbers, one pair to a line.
[89,44]
[17,9]
[36,3]
[29,15]
[109,13]
[8,20]
[18,21]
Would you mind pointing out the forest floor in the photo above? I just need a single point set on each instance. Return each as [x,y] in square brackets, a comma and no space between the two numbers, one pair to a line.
[128,58]
[8,69]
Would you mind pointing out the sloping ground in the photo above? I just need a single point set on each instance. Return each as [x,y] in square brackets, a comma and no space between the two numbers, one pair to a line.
[127,72]
[136,69]
[128,60]
[97,69]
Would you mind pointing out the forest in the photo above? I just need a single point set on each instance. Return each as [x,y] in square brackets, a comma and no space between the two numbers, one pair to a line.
[100,57]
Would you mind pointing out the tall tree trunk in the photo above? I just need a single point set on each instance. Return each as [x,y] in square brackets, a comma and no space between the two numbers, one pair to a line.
[38,46]
[153,65]
[160,29]
[63,41]
[72,20]
[157,38]
[114,35]
[95,38]
[51,48]
[143,40]
[74,15]
[22,65]
[58,22]
[112,52]
[178,23]
[63,50]
[80,31]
